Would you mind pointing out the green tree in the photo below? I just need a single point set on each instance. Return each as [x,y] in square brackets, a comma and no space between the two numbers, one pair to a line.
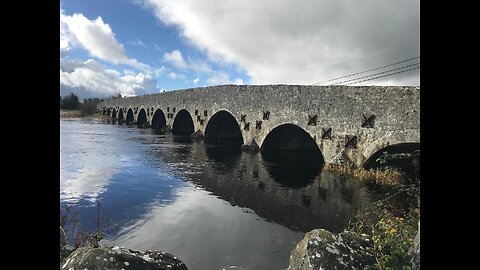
[70,102]
[89,106]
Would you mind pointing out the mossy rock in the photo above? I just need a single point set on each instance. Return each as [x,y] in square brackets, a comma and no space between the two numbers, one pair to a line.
[321,249]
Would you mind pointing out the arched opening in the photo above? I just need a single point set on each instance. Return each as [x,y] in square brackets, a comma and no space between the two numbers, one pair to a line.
[183,123]
[291,156]
[130,118]
[403,156]
[142,119]
[159,121]
[120,116]
[223,128]
[114,114]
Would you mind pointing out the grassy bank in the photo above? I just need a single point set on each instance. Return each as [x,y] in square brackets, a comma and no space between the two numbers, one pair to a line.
[81,114]
[392,222]
[390,177]
[70,113]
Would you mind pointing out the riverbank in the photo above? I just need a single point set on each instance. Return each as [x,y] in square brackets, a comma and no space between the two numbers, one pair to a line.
[80,114]
[385,235]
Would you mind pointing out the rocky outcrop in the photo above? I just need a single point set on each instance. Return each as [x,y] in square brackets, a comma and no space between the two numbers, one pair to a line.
[321,249]
[415,250]
[114,257]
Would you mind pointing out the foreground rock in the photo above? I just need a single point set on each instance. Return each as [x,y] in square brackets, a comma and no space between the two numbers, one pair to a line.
[321,249]
[107,257]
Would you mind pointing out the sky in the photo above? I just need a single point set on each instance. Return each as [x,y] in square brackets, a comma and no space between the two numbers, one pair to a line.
[136,47]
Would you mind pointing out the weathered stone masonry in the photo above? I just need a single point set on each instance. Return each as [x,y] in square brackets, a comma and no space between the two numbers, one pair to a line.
[346,122]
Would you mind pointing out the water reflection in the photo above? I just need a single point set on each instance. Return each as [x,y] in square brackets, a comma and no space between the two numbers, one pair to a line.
[211,205]
[222,157]
[293,169]
[300,196]
[85,168]
[220,235]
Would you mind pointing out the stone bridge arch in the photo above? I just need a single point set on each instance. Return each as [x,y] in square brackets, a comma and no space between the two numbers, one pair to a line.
[392,143]
[403,147]
[183,123]
[223,128]
[287,143]
[120,116]
[130,119]
[159,121]
[142,121]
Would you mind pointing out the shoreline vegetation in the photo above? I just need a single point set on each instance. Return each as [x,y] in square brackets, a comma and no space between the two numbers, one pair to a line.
[379,176]
[71,107]
[393,222]
[80,114]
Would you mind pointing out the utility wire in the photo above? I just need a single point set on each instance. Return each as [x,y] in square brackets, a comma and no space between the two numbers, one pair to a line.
[365,71]
[346,62]
[383,76]
[378,73]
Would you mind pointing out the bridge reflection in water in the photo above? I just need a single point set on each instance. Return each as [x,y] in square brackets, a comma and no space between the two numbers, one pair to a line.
[290,189]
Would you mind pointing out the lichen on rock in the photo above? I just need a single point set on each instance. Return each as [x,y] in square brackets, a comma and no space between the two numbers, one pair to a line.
[114,257]
[321,249]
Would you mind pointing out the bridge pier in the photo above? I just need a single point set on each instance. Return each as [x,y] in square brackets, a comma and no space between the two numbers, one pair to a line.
[251,147]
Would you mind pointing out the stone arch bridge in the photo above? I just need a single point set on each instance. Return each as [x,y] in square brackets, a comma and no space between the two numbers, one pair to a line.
[345,123]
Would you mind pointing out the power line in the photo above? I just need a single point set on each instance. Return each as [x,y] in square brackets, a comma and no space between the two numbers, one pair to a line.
[365,71]
[346,62]
[383,76]
[378,73]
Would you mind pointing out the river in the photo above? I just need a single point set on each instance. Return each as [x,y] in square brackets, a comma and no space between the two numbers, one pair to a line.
[212,207]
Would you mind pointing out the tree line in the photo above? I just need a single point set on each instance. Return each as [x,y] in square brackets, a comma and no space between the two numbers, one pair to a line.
[87,106]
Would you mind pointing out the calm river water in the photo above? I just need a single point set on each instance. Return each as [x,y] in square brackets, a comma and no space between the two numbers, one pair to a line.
[212,207]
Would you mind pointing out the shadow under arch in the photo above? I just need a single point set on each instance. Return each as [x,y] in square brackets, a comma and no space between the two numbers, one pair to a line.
[142,119]
[409,165]
[183,123]
[120,116]
[223,139]
[130,118]
[159,121]
[222,128]
[291,156]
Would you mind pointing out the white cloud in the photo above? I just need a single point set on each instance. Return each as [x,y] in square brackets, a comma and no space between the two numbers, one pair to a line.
[158,48]
[238,81]
[297,41]
[137,43]
[96,37]
[160,71]
[221,77]
[175,57]
[92,79]
[176,76]
[199,66]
